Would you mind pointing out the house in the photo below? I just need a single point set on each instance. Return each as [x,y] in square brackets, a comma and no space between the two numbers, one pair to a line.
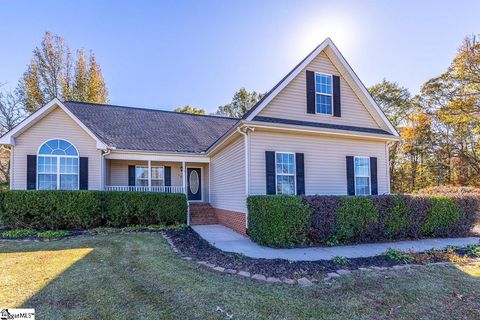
[318,131]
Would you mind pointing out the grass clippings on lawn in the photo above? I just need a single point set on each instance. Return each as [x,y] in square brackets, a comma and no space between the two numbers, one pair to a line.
[138,276]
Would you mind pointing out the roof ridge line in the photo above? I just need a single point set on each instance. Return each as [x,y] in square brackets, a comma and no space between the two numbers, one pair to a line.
[153,110]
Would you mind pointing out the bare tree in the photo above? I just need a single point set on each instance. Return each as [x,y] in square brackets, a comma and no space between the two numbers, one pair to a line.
[11,113]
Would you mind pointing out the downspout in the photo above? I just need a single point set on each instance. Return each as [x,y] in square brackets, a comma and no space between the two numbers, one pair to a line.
[104,152]
[244,131]
[387,156]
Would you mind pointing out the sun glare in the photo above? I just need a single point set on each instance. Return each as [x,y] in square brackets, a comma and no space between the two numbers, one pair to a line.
[344,29]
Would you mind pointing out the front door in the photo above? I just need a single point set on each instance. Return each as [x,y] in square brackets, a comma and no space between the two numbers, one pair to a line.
[194,183]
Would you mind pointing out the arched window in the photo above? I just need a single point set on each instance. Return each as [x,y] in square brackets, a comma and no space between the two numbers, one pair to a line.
[57,166]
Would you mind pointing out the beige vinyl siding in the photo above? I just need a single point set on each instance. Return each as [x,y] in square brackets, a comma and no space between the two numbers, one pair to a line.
[56,124]
[227,177]
[291,102]
[325,162]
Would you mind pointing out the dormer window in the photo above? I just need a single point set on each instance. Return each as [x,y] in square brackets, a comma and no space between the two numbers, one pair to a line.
[323,93]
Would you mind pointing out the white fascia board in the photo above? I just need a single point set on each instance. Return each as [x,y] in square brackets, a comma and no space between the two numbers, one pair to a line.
[327,43]
[326,131]
[9,137]
[156,156]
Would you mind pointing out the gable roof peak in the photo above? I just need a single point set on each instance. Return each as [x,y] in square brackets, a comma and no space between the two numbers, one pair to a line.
[328,42]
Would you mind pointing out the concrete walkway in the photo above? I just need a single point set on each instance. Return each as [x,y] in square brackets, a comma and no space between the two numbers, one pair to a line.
[228,240]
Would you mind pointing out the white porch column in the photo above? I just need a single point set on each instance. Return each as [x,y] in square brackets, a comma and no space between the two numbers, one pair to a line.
[149,175]
[184,177]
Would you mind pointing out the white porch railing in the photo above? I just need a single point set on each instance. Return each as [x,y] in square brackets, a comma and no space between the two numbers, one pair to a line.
[167,189]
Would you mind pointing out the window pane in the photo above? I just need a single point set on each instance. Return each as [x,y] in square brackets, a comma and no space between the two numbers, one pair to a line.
[285,184]
[142,183]
[53,144]
[68,182]
[157,172]
[362,167]
[69,165]
[47,165]
[324,104]
[285,163]
[45,149]
[323,84]
[47,182]
[157,183]
[141,172]
[70,151]
[362,186]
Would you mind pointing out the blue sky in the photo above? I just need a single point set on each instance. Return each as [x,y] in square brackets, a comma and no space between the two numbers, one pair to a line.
[164,54]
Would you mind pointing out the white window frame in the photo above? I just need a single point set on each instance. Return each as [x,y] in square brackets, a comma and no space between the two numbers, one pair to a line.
[369,176]
[57,156]
[324,94]
[151,179]
[287,174]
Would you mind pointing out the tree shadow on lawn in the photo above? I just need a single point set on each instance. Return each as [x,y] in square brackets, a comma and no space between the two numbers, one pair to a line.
[125,276]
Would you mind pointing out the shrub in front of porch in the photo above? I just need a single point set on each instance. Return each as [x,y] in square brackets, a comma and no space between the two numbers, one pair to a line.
[69,210]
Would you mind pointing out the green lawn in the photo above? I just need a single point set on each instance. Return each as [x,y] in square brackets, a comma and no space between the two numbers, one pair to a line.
[139,277]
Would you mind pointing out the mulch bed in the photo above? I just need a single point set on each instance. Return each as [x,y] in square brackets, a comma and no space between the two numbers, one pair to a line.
[191,244]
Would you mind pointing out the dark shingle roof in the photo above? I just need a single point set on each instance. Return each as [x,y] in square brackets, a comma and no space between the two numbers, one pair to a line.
[320,125]
[151,130]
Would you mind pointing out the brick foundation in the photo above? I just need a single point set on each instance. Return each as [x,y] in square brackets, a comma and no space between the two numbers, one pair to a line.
[231,219]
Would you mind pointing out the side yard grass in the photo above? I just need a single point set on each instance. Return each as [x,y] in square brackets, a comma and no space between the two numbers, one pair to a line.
[138,276]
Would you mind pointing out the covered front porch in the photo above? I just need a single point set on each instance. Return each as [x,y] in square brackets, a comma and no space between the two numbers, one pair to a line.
[152,175]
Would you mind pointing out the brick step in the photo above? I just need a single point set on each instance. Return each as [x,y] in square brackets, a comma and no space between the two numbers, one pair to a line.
[202,213]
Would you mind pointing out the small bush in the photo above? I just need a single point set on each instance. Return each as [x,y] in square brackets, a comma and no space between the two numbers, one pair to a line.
[474,250]
[332,241]
[18,233]
[399,256]
[53,234]
[277,221]
[442,215]
[354,218]
[68,210]
[341,260]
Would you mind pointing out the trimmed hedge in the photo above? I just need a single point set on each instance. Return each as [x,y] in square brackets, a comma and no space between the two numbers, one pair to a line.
[348,219]
[277,221]
[68,210]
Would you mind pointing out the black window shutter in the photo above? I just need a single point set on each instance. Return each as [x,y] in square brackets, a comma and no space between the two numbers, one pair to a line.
[31,172]
[373,175]
[336,96]
[83,173]
[131,176]
[168,176]
[300,170]
[310,92]
[350,176]
[270,171]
